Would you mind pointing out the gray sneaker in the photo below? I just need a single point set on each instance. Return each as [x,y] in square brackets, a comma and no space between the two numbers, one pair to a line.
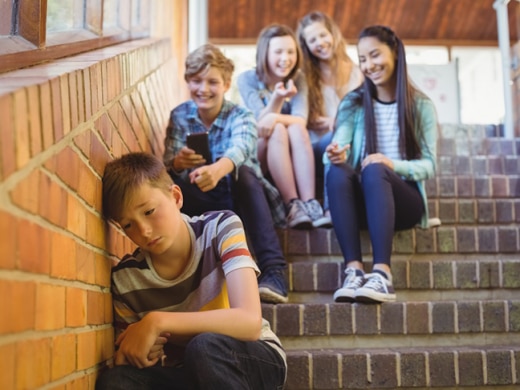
[377,289]
[354,279]
[315,212]
[297,217]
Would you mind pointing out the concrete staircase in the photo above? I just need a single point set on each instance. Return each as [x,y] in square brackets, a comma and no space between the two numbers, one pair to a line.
[456,322]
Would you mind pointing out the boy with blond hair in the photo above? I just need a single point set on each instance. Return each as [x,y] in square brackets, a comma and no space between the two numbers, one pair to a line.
[186,308]
[232,179]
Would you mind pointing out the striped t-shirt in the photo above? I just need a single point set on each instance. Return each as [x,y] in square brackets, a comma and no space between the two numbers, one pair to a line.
[385,115]
[219,247]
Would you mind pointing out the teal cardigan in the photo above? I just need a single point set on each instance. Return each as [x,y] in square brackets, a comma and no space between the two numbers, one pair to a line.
[350,129]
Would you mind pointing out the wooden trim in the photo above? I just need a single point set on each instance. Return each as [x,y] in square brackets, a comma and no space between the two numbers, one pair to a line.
[94,16]
[32,21]
[19,60]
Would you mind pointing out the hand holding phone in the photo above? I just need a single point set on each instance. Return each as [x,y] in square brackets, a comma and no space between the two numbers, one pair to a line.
[200,144]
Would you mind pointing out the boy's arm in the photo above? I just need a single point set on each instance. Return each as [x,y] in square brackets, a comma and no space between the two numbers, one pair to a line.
[243,320]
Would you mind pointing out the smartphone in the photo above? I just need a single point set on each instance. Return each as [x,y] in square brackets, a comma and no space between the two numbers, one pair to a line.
[200,144]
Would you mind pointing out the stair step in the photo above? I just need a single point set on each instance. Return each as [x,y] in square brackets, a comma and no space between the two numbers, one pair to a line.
[438,274]
[445,239]
[381,368]
[389,321]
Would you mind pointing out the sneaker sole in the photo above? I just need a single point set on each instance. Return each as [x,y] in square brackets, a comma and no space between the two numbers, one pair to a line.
[268,296]
[338,297]
[322,223]
[375,298]
[301,225]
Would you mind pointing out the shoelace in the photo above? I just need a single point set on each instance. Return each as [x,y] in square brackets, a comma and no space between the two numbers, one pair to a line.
[355,281]
[375,282]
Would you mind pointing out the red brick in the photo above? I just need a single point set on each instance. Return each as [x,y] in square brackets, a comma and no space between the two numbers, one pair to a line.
[8,240]
[7,141]
[25,194]
[87,90]
[21,129]
[46,115]
[63,256]
[34,252]
[102,268]
[85,265]
[95,308]
[66,166]
[87,354]
[76,219]
[33,97]
[50,307]
[7,354]
[57,118]
[76,307]
[63,355]
[65,103]
[17,304]
[33,363]
[73,100]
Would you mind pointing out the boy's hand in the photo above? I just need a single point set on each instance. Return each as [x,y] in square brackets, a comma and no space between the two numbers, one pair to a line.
[140,344]
[186,159]
[205,177]
[336,154]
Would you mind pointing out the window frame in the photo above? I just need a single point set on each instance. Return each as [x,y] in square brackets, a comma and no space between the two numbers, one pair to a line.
[28,43]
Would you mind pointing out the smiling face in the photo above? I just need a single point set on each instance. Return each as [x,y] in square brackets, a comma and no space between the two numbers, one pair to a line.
[152,220]
[319,41]
[207,90]
[377,62]
[281,57]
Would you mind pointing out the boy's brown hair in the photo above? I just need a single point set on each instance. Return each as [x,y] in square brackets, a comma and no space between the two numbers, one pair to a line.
[207,56]
[124,175]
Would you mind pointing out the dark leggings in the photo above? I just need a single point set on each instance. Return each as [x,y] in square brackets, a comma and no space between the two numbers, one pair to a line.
[377,199]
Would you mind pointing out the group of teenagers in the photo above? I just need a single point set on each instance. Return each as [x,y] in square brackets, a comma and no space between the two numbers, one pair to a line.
[187,301]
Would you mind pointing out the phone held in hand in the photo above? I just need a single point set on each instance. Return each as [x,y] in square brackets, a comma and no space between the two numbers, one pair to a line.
[200,144]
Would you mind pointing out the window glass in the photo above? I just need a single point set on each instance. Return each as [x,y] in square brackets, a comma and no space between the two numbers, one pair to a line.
[110,12]
[65,15]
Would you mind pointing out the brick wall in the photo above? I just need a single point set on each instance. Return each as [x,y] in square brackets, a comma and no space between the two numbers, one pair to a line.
[515,78]
[61,122]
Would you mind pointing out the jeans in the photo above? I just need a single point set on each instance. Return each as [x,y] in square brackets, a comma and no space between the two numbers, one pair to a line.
[377,199]
[246,197]
[212,361]
[318,148]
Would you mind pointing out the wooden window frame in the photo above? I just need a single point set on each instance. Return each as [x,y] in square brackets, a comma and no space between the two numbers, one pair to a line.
[25,41]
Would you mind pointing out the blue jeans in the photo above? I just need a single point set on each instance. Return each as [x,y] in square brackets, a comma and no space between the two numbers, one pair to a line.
[246,197]
[377,199]
[212,361]
[318,148]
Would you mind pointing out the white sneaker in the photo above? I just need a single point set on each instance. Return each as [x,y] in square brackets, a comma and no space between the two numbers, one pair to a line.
[297,217]
[315,213]
[353,281]
[376,289]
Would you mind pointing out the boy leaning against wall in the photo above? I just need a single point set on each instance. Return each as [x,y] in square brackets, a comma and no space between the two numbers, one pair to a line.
[187,311]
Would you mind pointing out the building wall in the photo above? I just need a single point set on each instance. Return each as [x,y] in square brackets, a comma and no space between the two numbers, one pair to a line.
[61,122]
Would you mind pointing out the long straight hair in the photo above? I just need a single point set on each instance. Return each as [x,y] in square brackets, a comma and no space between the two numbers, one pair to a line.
[311,63]
[408,144]
[262,50]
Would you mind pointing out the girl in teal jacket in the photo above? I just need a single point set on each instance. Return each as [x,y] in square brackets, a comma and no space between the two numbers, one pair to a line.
[383,149]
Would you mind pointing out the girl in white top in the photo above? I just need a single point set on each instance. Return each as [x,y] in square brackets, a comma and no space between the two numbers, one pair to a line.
[330,74]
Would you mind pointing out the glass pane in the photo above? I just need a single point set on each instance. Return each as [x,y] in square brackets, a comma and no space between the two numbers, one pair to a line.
[65,15]
[6,9]
[110,8]
[480,76]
